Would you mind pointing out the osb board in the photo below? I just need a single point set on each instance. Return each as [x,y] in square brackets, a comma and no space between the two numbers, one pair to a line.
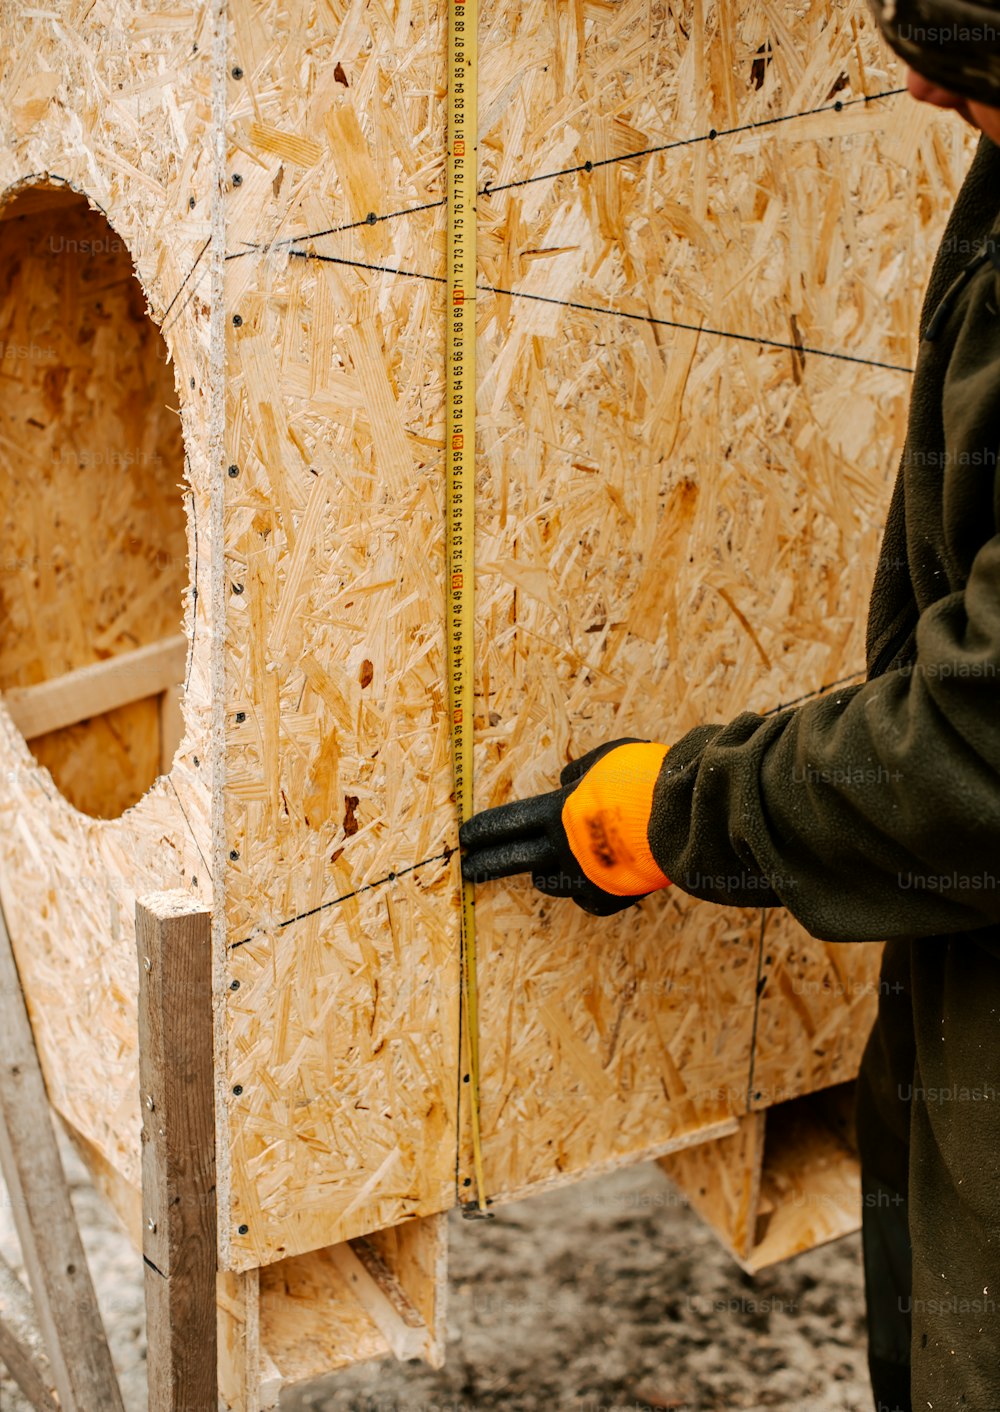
[785,1182]
[95,557]
[417,1254]
[721,1180]
[311,1322]
[113,103]
[672,526]
[246,1383]
[344,1032]
[810,1190]
[817,1004]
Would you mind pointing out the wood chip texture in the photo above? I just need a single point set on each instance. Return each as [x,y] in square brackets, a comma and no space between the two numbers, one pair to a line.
[677,518]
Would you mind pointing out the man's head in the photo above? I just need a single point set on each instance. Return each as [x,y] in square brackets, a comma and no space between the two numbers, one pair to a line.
[952,52]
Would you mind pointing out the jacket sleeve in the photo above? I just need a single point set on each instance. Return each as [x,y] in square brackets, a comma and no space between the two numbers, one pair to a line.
[869,813]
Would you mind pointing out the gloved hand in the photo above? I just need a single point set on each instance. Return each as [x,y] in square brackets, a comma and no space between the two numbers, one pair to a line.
[586,840]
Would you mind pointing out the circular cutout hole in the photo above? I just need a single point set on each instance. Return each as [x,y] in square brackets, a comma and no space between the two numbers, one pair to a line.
[93,558]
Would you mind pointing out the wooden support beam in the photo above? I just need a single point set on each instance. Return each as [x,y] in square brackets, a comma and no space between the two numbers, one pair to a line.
[63,1295]
[378,1292]
[248,1378]
[124,1199]
[173,938]
[21,1344]
[90,691]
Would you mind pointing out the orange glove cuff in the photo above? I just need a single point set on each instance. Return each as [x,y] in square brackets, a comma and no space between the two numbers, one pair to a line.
[606,819]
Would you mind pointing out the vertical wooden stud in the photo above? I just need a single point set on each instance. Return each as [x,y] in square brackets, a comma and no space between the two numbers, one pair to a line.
[64,1301]
[178,1150]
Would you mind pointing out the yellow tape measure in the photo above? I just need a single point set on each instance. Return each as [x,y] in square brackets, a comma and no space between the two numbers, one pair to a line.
[460,463]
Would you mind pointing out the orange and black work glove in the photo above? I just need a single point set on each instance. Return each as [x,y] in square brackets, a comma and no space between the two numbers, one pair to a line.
[586,840]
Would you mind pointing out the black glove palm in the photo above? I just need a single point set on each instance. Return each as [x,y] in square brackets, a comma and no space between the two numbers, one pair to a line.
[527,835]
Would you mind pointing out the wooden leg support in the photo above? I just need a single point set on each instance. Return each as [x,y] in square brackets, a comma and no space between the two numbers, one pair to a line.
[21,1346]
[178,1152]
[63,1305]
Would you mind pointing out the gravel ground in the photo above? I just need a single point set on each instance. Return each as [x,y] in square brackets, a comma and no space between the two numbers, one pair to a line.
[607,1296]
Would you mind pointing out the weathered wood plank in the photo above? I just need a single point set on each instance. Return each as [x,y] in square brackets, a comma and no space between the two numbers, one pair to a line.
[379,1292]
[103,686]
[21,1345]
[178,1150]
[65,1304]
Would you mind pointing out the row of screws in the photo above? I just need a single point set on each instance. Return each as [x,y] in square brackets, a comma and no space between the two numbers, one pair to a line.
[242,1229]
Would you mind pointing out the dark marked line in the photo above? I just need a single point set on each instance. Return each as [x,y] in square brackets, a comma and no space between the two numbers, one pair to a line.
[184,816]
[363,265]
[366,887]
[697,328]
[712,135]
[368,221]
[615,313]
[180,287]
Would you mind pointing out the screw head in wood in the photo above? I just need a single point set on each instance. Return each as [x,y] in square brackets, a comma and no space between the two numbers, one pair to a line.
[149,1102]
[150,1224]
[242,1230]
[147,964]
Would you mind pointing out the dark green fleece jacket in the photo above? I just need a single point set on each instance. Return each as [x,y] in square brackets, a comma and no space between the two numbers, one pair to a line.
[874,811]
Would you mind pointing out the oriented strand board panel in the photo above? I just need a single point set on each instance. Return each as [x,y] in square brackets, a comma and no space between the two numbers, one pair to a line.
[817,1003]
[810,1190]
[788,1180]
[722,1181]
[105,437]
[673,524]
[87,395]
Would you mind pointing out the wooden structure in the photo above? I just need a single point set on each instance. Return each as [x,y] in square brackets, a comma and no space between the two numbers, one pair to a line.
[52,1338]
[703,237]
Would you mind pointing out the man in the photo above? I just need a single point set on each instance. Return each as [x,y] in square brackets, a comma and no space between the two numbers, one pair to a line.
[913,858]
